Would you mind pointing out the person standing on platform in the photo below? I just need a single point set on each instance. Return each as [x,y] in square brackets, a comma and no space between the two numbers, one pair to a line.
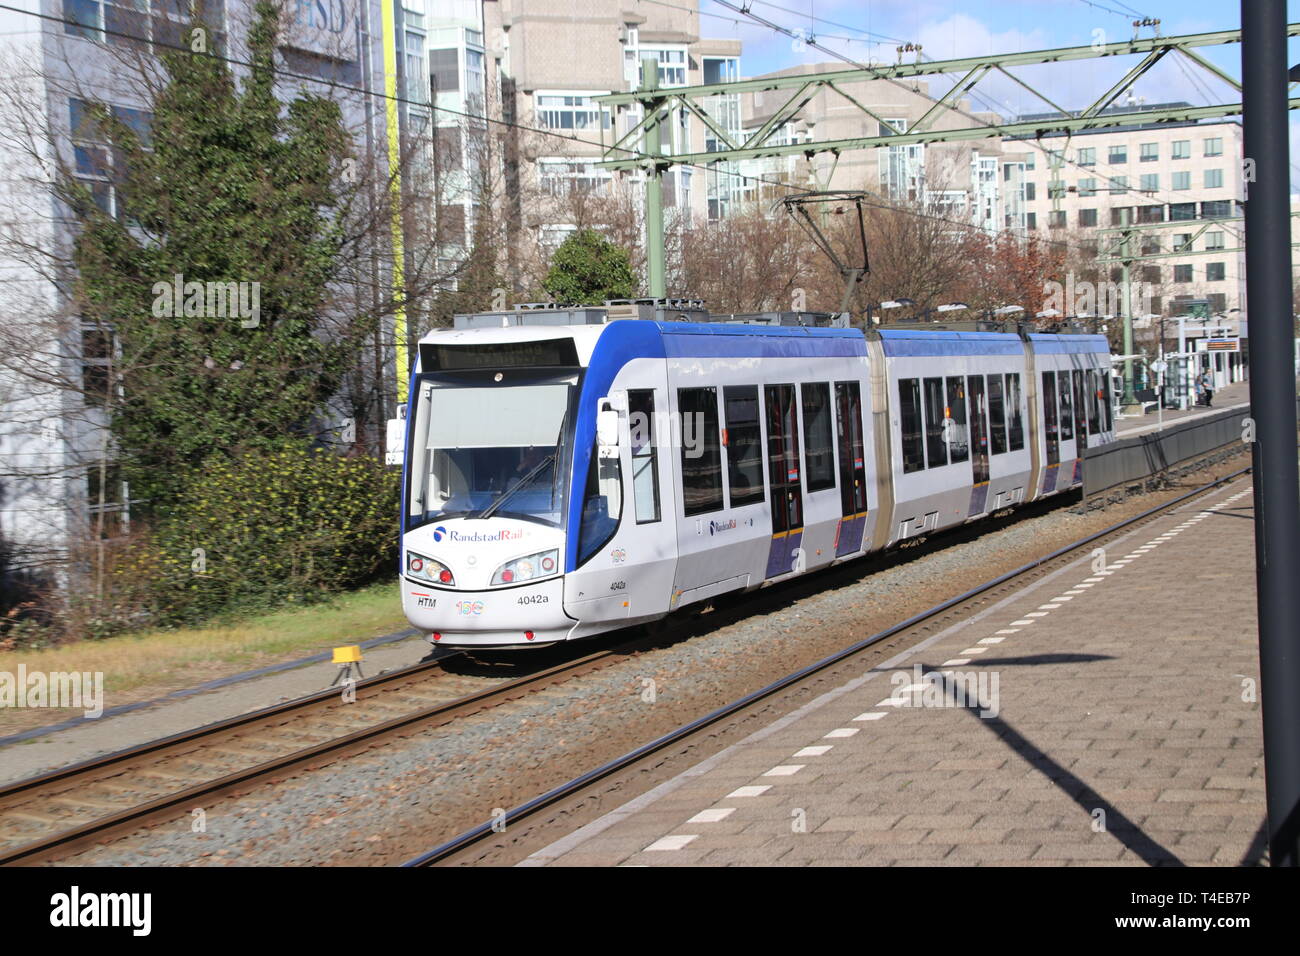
[1206,384]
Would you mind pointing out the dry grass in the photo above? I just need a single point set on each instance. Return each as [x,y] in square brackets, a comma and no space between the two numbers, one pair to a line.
[140,666]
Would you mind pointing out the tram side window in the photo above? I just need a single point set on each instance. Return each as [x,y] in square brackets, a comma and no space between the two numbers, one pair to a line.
[744,444]
[1080,407]
[1106,408]
[1094,406]
[1015,417]
[935,447]
[818,456]
[997,417]
[1067,416]
[701,450]
[958,442]
[645,456]
[909,409]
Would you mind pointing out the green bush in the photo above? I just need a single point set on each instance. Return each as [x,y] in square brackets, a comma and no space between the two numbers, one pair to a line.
[291,525]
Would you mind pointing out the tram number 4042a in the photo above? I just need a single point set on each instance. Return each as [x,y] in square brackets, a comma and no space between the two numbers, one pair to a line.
[533,599]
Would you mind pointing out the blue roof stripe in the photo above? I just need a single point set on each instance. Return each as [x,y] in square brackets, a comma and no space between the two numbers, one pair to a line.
[907,342]
[1057,344]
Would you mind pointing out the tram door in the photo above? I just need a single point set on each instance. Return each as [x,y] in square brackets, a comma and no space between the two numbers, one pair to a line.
[783,479]
[1051,433]
[979,444]
[853,472]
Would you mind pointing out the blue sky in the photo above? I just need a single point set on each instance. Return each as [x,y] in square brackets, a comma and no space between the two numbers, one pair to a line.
[863,29]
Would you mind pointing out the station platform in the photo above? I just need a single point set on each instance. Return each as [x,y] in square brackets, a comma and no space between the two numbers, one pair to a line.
[1236,395]
[1104,714]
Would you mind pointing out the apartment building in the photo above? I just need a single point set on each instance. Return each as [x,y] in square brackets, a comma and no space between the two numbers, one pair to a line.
[1179,183]
[957,180]
[553,57]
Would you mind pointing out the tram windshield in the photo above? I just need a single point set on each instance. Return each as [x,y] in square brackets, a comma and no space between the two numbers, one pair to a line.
[492,450]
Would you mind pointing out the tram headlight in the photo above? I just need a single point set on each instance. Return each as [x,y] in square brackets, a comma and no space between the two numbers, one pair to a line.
[427,569]
[530,567]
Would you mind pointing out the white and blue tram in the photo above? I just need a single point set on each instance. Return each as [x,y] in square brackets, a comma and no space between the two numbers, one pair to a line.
[565,480]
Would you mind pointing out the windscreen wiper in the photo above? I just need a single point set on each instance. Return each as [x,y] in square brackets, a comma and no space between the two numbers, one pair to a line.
[491,509]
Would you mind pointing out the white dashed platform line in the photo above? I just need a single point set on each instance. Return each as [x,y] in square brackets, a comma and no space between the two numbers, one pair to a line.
[975,650]
[785,770]
[869,716]
[750,791]
[671,842]
[713,815]
[1009,630]
[993,640]
[956,662]
[842,732]
[812,751]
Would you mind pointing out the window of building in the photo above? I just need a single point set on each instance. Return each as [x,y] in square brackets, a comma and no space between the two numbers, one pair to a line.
[1149,152]
[1181,180]
[1029,161]
[1213,178]
[444,70]
[818,453]
[1118,154]
[1056,219]
[132,24]
[1088,156]
[1121,215]
[909,417]
[672,64]
[1213,145]
[1151,213]
[97,350]
[1087,187]
[1031,192]
[645,455]
[1182,241]
[107,518]
[1182,149]
[96,162]
[1182,211]
[1215,271]
[1118,184]
[1149,182]
[570,112]
[1087,218]
[1218,301]
[1031,220]
[744,444]
[559,177]
[1216,209]
[701,450]
[1213,240]
[1151,274]
[1056,189]
[1182,273]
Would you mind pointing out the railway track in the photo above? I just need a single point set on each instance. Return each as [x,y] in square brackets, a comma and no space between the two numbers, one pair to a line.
[563,808]
[65,810]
